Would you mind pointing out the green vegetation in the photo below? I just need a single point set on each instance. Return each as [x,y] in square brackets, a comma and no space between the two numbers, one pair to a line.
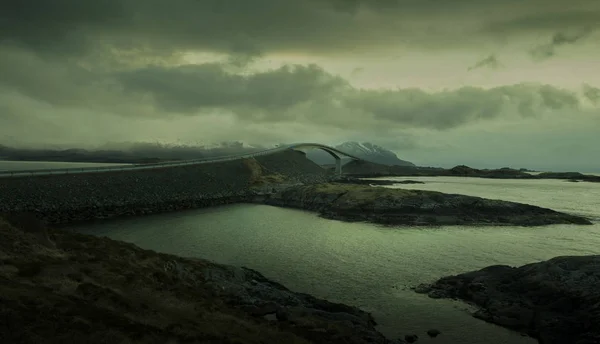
[261,176]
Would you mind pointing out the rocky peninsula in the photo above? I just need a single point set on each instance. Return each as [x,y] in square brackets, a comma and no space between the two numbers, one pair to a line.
[63,287]
[556,301]
[350,202]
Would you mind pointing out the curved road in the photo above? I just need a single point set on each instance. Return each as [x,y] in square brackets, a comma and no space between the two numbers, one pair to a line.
[336,153]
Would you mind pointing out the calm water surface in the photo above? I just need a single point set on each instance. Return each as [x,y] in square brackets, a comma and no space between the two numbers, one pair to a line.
[372,267]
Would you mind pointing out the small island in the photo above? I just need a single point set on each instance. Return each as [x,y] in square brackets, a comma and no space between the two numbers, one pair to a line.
[350,202]
[556,301]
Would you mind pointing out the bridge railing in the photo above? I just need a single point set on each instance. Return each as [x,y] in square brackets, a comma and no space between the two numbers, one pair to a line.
[40,172]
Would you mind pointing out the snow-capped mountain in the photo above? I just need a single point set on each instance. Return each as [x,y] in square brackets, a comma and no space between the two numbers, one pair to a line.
[364,150]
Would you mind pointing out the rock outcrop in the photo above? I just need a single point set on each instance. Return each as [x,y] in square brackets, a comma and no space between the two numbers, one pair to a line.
[96,290]
[556,301]
[376,181]
[570,176]
[413,207]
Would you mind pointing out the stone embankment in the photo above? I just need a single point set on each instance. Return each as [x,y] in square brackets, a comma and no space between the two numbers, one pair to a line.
[79,197]
[556,301]
[63,287]
[351,202]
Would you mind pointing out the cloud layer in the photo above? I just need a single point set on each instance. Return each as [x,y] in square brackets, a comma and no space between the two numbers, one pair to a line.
[264,26]
[78,73]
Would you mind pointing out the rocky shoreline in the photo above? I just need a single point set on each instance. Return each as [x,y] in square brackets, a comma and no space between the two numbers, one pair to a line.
[272,179]
[350,202]
[556,301]
[60,286]
[347,200]
[376,181]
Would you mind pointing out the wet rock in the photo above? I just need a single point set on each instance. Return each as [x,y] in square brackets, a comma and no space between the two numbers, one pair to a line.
[556,301]
[411,338]
[422,288]
[433,333]
[270,317]
[282,314]
[366,181]
[262,310]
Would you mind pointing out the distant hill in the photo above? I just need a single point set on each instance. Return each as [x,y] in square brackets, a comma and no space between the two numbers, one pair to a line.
[151,152]
[136,152]
[366,150]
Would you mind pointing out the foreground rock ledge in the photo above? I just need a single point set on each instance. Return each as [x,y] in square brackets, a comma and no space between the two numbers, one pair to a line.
[556,301]
[413,207]
[62,287]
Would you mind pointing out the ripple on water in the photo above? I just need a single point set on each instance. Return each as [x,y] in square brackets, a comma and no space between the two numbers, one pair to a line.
[371,266]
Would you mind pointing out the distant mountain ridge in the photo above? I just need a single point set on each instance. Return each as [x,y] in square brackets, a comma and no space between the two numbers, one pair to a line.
[128,152]
[364,150]
[147,152]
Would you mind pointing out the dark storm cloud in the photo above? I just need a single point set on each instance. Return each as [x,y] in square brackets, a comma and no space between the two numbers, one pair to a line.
[235,26]
[548,16]
[548,50]
[592,93]
[450,109]
[488,62]
[77,72]
[304,94]
[249,28]
[209,86]
[120,57]
[556,99]
[60,83]
[63,27]
[308,93]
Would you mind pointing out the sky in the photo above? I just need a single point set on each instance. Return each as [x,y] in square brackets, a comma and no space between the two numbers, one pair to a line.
[477,82]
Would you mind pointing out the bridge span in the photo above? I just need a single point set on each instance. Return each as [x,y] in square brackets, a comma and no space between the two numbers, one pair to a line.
[334,152]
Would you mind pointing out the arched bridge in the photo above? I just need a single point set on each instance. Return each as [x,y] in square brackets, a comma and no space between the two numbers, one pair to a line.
[334,152]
